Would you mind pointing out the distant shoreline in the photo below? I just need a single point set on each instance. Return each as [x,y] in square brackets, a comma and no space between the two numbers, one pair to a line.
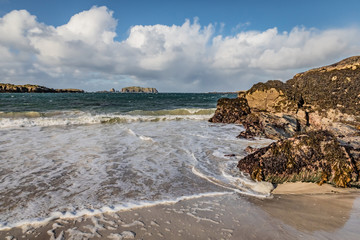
[28,88]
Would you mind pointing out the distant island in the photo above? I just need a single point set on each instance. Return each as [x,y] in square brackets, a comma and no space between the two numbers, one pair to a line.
[28,88]
[138,90]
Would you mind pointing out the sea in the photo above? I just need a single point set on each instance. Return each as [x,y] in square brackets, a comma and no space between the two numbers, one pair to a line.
[72,154]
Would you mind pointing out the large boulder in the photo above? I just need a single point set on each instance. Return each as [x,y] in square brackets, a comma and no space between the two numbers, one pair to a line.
[272,96]
[314,156]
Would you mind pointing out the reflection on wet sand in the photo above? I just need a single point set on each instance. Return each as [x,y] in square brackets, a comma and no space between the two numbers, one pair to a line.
[310,213]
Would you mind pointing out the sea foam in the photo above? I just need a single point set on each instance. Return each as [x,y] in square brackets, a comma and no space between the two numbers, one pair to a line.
[71,170]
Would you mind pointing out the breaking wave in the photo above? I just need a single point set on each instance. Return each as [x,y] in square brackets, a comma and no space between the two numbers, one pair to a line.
[66,118]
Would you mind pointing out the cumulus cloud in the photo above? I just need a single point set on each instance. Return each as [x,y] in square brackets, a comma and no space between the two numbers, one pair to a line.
[83,53]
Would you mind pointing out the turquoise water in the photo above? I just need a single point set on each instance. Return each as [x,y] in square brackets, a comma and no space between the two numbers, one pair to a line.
[65,155]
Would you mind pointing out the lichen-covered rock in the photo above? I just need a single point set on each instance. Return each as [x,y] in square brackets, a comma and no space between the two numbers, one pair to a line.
[315,156]
[138,90]
[331,87]
[230,110]
[272,96]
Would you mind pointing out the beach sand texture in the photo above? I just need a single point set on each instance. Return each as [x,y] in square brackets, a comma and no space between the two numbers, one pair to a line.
[315,213]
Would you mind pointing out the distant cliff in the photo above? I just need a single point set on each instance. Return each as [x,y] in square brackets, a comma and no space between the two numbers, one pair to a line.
[11,88]
[138,90]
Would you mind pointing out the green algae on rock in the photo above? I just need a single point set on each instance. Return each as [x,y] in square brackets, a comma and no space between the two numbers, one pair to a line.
[314,156]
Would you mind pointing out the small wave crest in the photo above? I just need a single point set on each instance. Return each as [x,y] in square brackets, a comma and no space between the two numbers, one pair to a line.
[28,114]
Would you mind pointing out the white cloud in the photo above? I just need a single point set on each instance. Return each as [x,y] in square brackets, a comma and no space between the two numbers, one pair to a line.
[94,26]
[83,53]
[14,28]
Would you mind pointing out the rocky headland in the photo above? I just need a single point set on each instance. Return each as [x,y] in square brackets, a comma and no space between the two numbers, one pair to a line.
[138,90]
[28,88]
[314,120]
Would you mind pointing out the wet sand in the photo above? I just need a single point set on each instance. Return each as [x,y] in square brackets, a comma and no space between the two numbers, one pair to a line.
[315,213]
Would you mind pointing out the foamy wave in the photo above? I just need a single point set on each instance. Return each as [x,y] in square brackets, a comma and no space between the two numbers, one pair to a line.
[239,185]
[32,119]
[224,176]
[106,209]
[172,112]
[130,118]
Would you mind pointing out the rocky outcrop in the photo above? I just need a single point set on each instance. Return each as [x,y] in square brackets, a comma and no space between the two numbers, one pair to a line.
[331,87]
[231,111]
[256,121]
[319,106]
[315,99]
[138,90]
[311,157]
[10,88]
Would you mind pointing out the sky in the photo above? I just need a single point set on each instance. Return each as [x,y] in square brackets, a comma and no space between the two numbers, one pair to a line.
[175,46]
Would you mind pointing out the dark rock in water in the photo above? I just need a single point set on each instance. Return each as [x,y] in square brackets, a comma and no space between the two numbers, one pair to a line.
[11,88]
[315,156]
[230,155]
[230,110]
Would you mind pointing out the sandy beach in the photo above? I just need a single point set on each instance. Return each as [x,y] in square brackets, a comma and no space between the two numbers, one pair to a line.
[296,211]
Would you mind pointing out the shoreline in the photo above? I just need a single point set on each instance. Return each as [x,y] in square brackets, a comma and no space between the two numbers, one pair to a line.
[326,213]
[301,188]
